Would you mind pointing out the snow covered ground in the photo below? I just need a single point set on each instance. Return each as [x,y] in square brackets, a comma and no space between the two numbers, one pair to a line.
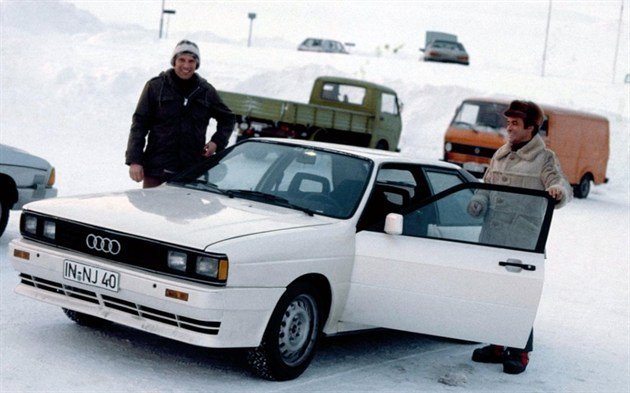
[70,82]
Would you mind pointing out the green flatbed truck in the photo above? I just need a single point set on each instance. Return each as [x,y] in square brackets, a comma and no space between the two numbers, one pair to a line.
[340,110]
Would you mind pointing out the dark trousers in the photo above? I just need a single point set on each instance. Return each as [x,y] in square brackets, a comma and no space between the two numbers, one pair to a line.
[155,180]
[151,181]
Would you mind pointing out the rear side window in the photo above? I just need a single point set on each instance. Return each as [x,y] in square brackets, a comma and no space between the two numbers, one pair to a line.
[349,94]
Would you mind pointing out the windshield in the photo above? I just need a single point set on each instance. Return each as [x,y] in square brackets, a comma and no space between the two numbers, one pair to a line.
[303,178]
[481,116]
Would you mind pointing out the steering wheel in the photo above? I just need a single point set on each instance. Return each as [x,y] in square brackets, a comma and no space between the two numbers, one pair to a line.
[324,201]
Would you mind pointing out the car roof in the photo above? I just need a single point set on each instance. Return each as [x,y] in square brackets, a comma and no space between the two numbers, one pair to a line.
[545,108]
[378,156]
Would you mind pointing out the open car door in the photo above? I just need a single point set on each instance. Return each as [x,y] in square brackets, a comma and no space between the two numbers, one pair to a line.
[453,274]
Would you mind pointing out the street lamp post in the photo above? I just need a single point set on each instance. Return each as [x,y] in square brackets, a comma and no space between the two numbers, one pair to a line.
[251,16]
[168,12]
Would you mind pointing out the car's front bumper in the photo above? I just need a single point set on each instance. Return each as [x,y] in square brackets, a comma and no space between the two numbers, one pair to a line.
[34,193]
[218,317]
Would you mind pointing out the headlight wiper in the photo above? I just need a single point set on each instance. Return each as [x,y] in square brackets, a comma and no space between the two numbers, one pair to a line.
[274,199]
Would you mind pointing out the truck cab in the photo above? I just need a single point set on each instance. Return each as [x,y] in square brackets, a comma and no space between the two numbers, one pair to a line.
[340,110]
[380,103]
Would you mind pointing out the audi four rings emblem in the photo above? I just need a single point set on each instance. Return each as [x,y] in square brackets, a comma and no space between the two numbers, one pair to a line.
[102,244]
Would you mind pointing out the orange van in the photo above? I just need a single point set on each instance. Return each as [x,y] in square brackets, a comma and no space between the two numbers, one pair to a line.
[579,139]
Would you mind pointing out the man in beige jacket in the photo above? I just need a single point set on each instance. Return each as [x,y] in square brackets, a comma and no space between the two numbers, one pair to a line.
[524,161]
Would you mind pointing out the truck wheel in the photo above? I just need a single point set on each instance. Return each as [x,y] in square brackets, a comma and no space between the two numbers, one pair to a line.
[85,319]
[581,190]
[382,145]
[289,342]
[4,215]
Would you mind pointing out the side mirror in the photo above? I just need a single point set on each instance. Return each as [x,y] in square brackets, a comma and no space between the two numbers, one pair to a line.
[394,224]
[421,49]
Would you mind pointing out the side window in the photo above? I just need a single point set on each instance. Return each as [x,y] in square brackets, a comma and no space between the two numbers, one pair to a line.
[388,104]
[395,188]
[316,43]
[442,180]
[481,215]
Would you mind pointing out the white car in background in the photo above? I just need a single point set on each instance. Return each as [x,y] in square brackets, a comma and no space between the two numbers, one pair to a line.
[23,178]
[270,253]
[323,45]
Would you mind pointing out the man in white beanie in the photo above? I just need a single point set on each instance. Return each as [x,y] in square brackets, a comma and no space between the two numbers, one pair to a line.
[174,110]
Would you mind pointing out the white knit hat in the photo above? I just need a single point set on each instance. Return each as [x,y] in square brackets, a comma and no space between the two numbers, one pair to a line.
[186,47]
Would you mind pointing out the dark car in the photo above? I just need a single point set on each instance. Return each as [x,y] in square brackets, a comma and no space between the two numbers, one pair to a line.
[446,51]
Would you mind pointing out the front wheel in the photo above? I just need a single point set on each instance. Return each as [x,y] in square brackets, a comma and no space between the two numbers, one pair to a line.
[289,342]
[583,188]
[4,215]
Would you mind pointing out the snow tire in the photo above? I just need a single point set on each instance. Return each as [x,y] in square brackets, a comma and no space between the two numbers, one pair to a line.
[291,336]
[4,215]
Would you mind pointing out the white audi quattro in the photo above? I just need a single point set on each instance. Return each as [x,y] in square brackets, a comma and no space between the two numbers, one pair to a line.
[273,243]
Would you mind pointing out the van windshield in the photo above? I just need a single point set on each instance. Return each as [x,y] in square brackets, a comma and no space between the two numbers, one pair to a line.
[481,116]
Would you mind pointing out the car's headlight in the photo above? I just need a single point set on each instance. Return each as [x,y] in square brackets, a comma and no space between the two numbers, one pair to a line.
[177,260]
[30,224]
[207,266]
[49,229]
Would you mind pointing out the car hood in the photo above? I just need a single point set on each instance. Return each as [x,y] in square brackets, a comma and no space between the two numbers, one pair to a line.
[181,216]
[14,156]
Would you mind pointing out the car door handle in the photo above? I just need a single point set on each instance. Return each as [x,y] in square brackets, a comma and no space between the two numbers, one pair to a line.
[517,263]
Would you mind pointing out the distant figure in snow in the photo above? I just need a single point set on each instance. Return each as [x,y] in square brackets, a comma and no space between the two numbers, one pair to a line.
[524,161]
[174,111]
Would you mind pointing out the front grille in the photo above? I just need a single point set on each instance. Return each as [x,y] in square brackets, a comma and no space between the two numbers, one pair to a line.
[147,254]
[473,150]
[195,325]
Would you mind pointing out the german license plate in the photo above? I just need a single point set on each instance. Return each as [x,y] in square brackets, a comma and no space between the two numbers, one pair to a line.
[91,275]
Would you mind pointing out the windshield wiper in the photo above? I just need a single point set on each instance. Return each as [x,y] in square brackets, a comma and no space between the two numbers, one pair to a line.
[471,126]
[274,199]
[202,185]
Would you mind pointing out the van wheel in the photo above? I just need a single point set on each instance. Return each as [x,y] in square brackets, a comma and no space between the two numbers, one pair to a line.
[581,190]
[382,145]
[4,215]
[289,342]
[85,319]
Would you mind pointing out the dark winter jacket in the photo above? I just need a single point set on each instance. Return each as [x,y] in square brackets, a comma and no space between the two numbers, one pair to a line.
[176,125]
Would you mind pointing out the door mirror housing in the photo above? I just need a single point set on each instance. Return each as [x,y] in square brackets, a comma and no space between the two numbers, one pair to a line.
[394,224]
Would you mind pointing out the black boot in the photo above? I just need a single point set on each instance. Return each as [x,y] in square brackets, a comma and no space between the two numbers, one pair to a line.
[515,361]
[489,354]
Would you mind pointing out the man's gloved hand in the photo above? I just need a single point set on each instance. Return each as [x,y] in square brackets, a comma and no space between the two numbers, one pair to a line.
[475,208]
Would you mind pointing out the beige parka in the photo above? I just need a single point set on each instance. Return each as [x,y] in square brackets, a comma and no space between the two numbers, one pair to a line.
[515,220]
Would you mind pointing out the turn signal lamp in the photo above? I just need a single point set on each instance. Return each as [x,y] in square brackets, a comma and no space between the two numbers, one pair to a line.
[176,294]
[21,254]
[51,179]
[223,269]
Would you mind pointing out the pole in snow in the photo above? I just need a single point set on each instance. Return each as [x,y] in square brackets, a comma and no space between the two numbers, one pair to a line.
[251,16]
[617,45]
[544,59]
[168,12]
